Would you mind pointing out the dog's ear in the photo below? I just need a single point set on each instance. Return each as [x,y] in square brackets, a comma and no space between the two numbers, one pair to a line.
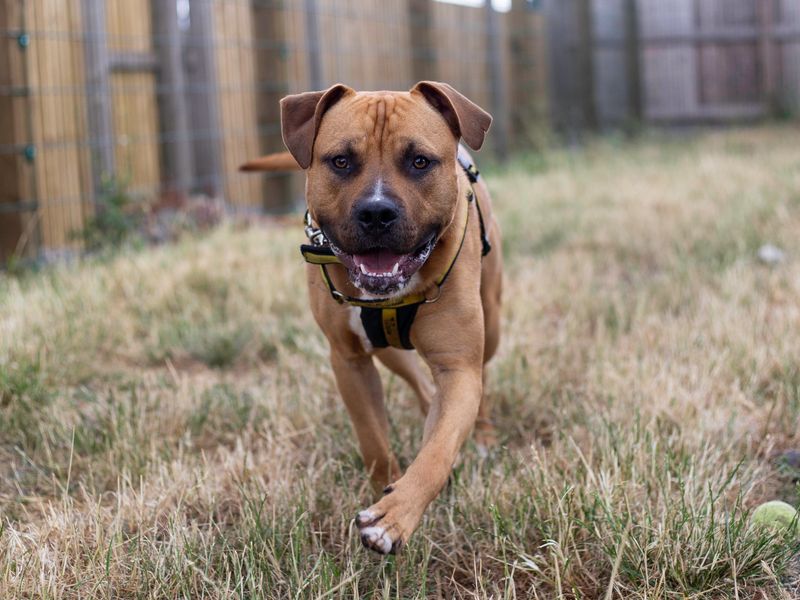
[301,115]
[467,120]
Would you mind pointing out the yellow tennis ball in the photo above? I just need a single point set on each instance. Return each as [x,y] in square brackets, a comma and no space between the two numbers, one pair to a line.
[775,515]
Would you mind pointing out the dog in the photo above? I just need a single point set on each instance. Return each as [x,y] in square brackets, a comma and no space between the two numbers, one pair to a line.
[404,253]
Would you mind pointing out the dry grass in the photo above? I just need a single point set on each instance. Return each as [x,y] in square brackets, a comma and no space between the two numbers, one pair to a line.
[169,426]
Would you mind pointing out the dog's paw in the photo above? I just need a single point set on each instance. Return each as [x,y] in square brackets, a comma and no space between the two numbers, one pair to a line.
[386,525]
[377,538]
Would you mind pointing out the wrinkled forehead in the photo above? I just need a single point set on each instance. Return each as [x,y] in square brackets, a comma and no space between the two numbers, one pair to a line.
[390,121]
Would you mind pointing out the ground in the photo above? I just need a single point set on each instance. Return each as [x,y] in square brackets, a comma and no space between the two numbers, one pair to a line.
[169,426]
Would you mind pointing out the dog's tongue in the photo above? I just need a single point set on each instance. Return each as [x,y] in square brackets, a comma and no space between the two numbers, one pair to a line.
[378,261]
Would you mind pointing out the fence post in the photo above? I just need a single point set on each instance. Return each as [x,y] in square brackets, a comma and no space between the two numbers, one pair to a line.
[766,18]
[312,35]
[528,104]
[586,62]
[269,25]
[98,92]
[201,96]
[557,93]
[11,193]
[633,59]
[173,114]
[422,46]
[495,63]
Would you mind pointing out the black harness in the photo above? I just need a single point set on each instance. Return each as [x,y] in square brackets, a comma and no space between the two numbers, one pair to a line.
[387,321]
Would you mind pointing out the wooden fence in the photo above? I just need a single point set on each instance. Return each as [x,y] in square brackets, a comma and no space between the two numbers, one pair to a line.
[673,61]
[170,96]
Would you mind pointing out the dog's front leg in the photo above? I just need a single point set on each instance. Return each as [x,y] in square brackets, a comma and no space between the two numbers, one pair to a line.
[387,524]
[360,386]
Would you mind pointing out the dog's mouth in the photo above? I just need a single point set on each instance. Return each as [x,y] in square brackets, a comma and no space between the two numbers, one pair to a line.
[381,271]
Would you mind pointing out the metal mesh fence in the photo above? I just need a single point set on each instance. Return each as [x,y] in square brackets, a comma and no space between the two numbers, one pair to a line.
[166,98]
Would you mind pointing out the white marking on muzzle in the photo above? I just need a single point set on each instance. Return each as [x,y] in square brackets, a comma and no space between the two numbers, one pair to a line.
[377,193]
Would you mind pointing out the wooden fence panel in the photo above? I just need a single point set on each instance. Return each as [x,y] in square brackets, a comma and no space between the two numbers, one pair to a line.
[564,49]
[678,61]
[718,14]
[422,43]
[298,60]
[364,43]
[670,77]
[18,219]
[610,60]
[271,22]
[201,98]
[134,102]
[527,78]
[730,71]
[55,65]
[78,69]
[663,18]
[730,74]
[462,53]
[235,41]
[789,18]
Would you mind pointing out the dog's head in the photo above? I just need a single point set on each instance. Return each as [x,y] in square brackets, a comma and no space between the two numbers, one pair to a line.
[381,172]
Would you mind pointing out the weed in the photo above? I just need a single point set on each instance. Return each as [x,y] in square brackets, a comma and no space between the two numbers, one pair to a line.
[116,221]
[23,399]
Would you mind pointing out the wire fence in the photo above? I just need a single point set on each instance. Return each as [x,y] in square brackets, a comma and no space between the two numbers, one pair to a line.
[167,98]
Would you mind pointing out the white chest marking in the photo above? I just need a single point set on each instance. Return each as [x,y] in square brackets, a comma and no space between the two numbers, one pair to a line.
[357,328]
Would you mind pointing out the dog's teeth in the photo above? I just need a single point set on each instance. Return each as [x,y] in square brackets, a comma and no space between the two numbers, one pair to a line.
[381,274]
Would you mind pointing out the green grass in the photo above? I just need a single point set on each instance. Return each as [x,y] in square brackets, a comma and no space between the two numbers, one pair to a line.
[169,426]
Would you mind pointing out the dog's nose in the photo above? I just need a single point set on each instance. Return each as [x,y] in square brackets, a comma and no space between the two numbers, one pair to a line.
[377,215]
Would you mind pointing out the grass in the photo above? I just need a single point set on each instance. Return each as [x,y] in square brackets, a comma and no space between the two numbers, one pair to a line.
[169,426]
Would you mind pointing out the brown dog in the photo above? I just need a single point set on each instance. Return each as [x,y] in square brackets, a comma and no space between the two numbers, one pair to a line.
[400,225]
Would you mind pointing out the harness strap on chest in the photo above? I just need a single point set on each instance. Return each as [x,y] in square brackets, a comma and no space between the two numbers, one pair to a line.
[389,326]
[388,321]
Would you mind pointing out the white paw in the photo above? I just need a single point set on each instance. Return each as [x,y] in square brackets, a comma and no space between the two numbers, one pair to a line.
[365,516]
[377,539]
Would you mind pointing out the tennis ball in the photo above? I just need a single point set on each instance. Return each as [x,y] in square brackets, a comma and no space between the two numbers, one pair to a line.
[775,515]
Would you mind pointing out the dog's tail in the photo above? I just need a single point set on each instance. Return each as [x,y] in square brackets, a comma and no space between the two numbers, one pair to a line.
[280,161]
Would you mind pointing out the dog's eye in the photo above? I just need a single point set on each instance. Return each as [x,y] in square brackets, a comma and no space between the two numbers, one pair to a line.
[340,162]
[420,162]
